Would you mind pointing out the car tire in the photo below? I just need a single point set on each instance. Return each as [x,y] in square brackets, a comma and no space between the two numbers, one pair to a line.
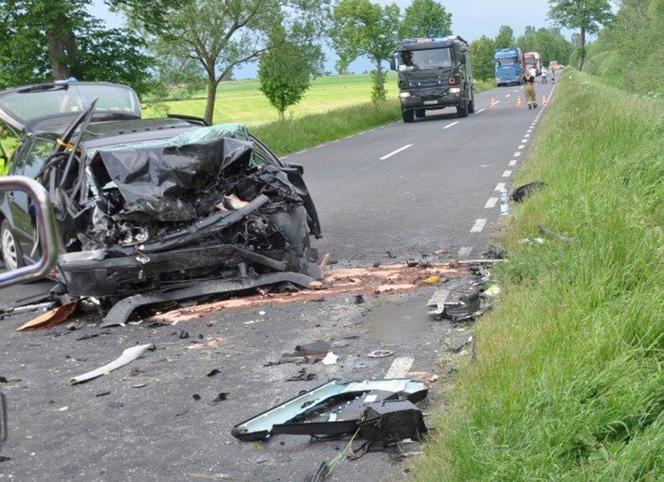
[408,115]
[12,255]
[462,110]
[471,107]
[420,113]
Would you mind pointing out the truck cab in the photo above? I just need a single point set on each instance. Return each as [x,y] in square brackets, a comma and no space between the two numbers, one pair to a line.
[434,73]
[509,66]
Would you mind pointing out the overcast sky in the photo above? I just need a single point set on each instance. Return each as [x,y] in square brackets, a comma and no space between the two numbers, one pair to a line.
[470,19]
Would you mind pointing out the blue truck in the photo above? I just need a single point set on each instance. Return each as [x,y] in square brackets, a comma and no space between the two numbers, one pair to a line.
[509,66]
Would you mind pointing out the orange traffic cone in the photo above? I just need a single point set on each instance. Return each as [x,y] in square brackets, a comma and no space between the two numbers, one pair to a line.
[519,102]
[545,101]
[493,103]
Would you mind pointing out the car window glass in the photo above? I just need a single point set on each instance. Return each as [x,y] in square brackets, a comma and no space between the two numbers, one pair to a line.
[34,159]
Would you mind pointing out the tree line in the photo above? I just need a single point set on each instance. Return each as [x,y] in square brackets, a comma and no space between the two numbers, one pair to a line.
[197,44]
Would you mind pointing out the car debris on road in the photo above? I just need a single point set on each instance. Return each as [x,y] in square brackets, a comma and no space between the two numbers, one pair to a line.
[128,356]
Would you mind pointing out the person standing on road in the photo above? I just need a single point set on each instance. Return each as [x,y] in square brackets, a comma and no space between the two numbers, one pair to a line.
[544,74]
[531,95]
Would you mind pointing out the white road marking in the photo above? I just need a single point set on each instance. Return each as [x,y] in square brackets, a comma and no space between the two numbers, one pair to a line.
[491,203]
[387,156]
[507,173]
[527,135]
[478,227]
[508,96]
[513,162]
[497,102]
[465,251]
[524,140]
[500,186]
[480,111]
[521,146]
[400,367]
[517,153]
[451,125]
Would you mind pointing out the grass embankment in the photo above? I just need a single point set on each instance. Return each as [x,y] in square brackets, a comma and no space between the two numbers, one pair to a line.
[568,383]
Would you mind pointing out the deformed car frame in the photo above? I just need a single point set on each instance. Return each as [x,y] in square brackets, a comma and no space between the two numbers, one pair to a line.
[154,206]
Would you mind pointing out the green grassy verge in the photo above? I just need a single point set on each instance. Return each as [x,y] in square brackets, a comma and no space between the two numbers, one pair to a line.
[568,383]
[300,133]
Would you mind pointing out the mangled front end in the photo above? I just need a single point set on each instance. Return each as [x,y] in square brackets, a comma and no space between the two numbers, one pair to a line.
[168,216]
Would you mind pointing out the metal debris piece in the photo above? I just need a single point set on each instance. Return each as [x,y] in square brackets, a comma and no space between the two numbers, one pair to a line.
[554,234]
[334,408]
[128,356]
[380,354]
[330,359]
[391,421]
[459,300]
[50,318]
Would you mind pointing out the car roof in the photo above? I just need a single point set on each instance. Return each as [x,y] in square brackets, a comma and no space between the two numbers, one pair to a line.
[57,122]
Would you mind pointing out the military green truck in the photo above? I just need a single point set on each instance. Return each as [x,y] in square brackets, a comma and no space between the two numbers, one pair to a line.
[434,73]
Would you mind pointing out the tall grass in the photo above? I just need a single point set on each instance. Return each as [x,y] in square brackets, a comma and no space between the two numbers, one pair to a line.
[295,134]
[569,378]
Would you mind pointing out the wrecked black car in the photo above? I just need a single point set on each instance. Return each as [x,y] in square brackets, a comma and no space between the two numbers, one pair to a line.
[158,208]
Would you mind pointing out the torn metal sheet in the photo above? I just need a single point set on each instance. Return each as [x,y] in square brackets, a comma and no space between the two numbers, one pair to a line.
[458,299]
[122,310]
[128,356]
[328,405]
[50,318]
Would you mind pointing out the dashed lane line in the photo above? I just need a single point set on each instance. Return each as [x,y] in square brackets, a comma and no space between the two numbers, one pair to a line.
[464,252]
[400,367]
[451,125]
[500,186]
[521,146]
[513,162]
[395,152]
[517,153]
[480,111]
[507,173]
[478,227]
[491,203]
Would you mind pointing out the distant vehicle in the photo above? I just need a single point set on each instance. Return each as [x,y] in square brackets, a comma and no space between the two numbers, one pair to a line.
[509,66]
[534,61]
[434,73]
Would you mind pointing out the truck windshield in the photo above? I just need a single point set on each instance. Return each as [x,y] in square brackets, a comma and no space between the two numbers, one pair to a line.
[429,59]
[505,62]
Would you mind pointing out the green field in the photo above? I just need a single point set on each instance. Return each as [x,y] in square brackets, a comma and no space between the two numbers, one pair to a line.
[242,101]
[568,381]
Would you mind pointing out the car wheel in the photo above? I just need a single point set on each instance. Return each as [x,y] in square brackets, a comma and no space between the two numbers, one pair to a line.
[11,250]
[462,109]
[471,107]
[420,113]
[408,115]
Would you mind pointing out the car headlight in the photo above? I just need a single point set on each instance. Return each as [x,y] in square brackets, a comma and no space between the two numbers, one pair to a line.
[455,90]
[404,95]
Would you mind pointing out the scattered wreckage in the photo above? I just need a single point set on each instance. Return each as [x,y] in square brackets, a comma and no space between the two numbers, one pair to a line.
[152,210]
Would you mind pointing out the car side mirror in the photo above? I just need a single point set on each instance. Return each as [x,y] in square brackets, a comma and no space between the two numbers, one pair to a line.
[393,64]
[46,229]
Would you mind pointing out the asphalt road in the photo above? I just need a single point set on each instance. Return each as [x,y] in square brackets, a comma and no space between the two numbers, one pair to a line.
[410,189]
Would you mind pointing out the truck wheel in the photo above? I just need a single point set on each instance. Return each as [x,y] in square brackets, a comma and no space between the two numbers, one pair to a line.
[408,115]
[11,249]
[462,109]
[471,107]
[420,113]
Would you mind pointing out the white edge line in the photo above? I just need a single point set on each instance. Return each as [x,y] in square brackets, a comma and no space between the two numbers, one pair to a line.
[451,125]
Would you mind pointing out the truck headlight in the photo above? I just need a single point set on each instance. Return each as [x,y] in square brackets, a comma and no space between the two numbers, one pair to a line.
[404,95]
[455,90]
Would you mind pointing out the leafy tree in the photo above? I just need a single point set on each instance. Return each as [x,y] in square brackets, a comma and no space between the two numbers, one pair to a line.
[505,37]
[57,39]
[285,75]
[221,35]
[586,15]
[360,27]
[549,42]
[482,51]
[426,18]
